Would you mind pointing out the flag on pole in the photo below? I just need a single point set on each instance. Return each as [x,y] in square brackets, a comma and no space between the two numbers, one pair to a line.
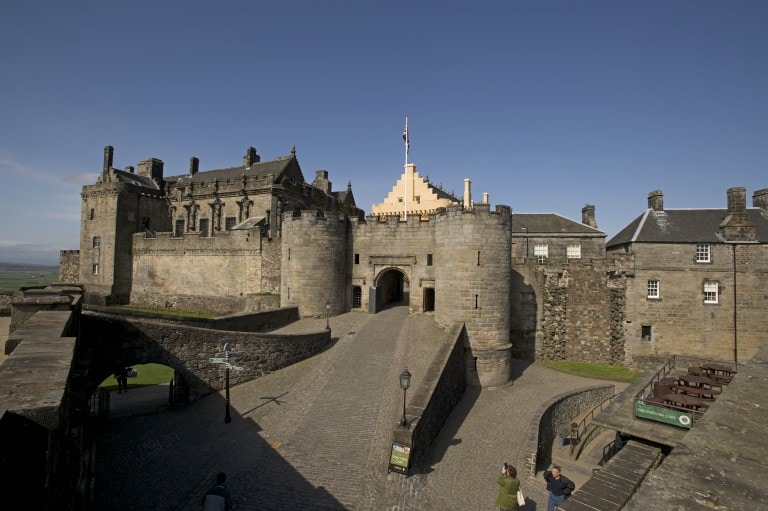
[406,139]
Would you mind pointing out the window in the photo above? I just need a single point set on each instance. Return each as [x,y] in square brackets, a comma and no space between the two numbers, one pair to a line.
[95,268]
[92,214]
[357,258]
[429,259]
[703,253]
[203,227]
[646,333]
[357,297]
[711,289]
[179,231]
[541,252]
[229,223]
[573,252]
[653,289]
[96,241]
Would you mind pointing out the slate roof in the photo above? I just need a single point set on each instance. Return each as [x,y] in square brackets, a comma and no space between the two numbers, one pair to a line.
[278,167]
[549,223]
[684,226]
[135,179]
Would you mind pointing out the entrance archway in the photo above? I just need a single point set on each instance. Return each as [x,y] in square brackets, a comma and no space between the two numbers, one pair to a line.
[391,287]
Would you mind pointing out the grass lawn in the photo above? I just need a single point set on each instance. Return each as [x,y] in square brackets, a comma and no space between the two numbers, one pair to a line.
[596,371]
[18,278]
[146,374]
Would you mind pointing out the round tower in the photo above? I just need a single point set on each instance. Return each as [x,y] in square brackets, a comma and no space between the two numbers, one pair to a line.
[473,283]
[313,263]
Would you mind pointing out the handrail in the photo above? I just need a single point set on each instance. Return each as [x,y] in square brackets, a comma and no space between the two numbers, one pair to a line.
[648,389]
[581,426]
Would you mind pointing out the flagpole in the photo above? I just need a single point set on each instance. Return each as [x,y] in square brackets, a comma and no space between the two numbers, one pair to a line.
[406,168]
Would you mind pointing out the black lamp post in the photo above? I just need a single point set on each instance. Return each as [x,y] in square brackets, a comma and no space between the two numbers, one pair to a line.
[405,382]
[327,312]
[227,351]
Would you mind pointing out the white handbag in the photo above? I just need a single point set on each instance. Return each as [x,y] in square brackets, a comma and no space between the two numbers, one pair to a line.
[520,498]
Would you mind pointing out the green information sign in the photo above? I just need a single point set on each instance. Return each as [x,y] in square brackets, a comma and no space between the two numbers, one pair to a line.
[398,458]
[665,415]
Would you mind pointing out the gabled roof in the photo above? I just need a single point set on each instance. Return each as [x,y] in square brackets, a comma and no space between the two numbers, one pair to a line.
[684,226]
[549,223]
[135,179]
[281,167]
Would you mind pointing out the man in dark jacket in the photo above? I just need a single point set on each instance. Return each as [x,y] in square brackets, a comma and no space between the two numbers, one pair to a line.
[559,486]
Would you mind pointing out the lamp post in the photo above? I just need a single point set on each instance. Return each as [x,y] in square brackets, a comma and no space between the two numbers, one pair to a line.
[327,313]
[405,382]
[228,354]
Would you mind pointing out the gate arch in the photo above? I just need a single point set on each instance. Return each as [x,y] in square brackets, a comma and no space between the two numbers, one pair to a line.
[392,286]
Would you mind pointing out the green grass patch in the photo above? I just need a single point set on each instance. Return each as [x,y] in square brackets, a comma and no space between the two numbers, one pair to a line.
[590,370]
[146,374]
[174,312]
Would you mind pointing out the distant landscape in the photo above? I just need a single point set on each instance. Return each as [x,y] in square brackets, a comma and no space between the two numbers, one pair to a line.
[15,276]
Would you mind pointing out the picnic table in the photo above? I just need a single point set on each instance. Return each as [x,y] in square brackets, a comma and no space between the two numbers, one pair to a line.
[684,401]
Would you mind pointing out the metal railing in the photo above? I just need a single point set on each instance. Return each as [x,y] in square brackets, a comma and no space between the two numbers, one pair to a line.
[582,437]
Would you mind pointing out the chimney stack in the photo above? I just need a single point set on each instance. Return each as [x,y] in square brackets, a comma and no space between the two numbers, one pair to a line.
[485,197]
[467,193]
[656,200]
[760,199]
[588,215]
[152,168]
[250,157]
[736,226]
[109,153]
[321,181]
[194,165]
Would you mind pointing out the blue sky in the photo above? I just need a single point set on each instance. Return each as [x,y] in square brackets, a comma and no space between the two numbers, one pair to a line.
[546,105]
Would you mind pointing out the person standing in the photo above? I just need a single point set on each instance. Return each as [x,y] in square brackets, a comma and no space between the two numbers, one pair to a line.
[559,487]
[124,378]
[218,498]
[508,486]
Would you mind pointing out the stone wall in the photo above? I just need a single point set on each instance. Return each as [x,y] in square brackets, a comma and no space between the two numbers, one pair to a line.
[6,297]
[582,316]
[186,348]
[69,266]
[432,403]
[231,272]
[561,409]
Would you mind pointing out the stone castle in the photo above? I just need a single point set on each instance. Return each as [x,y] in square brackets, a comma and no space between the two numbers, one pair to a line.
[258,236]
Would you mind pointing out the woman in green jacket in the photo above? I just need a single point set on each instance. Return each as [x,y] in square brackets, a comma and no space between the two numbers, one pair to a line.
[508,486]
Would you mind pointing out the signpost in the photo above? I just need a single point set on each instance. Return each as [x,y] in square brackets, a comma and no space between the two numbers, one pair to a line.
[225,360]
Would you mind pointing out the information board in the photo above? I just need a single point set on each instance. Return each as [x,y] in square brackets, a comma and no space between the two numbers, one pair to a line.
[398,458]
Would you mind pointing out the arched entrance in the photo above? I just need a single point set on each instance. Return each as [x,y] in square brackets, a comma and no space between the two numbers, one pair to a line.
[391,287]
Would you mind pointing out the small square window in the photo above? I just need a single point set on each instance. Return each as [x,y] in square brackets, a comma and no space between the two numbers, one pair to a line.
[429,259]
[95,268]
[703,253]
[653,289]
[229,223]
[646,333]
[541,252]
[357,258]
[96,241]
[711,292]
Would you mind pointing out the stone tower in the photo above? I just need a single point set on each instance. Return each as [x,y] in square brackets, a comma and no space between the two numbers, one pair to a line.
[315,259]
[120,204]
[472,278]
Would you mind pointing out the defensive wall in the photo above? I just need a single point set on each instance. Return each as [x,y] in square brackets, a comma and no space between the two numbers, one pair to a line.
[234,271]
